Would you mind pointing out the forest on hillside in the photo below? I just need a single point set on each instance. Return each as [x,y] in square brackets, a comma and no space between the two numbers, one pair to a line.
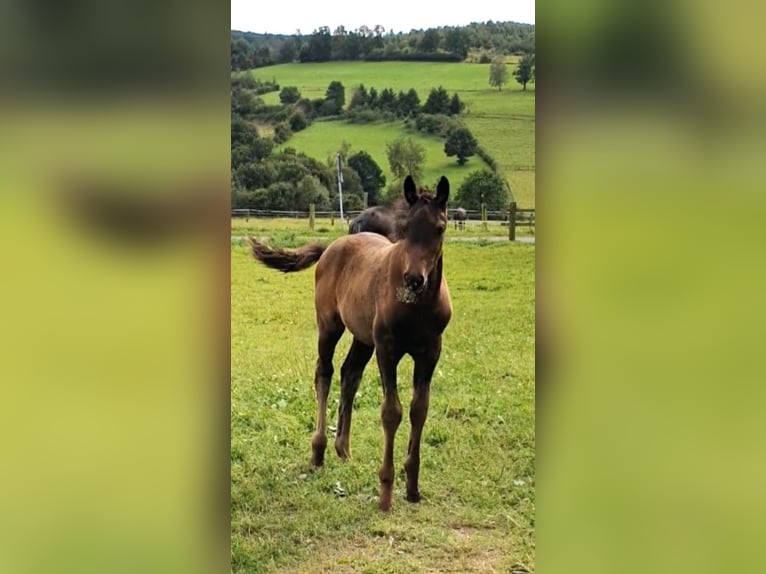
[253,50]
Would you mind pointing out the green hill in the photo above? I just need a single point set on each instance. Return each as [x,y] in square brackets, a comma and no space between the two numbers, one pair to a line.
[502,121]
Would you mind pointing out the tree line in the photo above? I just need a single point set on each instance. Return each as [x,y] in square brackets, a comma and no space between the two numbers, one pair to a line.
[252,50]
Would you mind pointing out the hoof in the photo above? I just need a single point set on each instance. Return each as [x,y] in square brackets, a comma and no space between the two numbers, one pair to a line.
[413,497]
[318,446]
[343,453]
[386,497]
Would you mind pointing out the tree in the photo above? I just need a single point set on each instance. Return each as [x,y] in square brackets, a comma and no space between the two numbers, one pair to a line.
[310,190]
[288,51]
[461,143]
[387,100]
[352,191]
[282,132]
[319,47]
[359,98]
[372,100]
[406,157]
[243,133]
[498,73]
[241,56]
[525,70]
[483,186]
[280,195]
[289,95]
[430,41]
[408,104]
[298,121]
[337,94]
[455,105]
[370,174]
[256,175]
[437,102]
[244,103]
[456,41]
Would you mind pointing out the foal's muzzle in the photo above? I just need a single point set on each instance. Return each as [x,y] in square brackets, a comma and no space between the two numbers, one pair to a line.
[415,283]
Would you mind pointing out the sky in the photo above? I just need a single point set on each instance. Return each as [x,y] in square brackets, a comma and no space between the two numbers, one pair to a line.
[399,15]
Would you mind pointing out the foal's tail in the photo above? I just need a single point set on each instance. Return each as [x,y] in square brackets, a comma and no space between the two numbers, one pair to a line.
[284,260]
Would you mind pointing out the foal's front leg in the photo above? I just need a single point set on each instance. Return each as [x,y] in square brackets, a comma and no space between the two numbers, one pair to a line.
[421,393]
[391,415]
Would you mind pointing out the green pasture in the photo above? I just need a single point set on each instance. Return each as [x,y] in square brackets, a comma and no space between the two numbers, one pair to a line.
[503,121]
[477,473]
[323,139]
[312,80]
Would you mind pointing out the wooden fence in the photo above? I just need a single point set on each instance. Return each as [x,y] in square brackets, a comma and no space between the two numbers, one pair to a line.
[513,217]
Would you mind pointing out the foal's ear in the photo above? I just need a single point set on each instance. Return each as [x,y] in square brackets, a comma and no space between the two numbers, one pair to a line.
[410,190]
[442,192]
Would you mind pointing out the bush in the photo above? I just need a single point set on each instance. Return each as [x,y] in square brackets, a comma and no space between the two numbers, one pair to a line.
[483,185]
[307,107]
[351,202]
[405,56]
[267,87]
[376,116]
[328,108]
[255,175]
[436,124]
[488,159]
[282,132]
[364,116]
[298,121]
[241,199]
[289,95]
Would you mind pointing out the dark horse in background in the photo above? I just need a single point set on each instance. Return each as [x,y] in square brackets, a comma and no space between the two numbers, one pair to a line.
[381,220]
[394,300]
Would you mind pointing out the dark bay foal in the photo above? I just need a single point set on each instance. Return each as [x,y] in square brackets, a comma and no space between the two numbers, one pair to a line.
[394,300]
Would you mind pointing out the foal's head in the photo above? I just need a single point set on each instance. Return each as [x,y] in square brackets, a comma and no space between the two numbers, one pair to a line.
[423,232]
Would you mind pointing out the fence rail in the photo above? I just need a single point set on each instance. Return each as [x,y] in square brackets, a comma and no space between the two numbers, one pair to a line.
[512,217]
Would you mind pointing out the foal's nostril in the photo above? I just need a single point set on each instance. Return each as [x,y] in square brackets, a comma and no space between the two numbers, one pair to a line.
[414,281]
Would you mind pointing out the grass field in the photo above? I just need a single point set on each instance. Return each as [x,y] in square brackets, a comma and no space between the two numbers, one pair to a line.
[502,121]
[323,139]
[477,474]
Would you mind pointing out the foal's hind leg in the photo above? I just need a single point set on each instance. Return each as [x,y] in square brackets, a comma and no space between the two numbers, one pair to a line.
[329,334]
[421,393]
[350,376]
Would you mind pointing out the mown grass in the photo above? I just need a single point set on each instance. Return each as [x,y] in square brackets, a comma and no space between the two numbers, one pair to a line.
[477,474]
[503,121]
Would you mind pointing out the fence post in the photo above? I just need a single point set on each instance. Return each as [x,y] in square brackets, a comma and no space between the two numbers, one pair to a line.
[484,215]
[311,216]
[364,195]
[512,221]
